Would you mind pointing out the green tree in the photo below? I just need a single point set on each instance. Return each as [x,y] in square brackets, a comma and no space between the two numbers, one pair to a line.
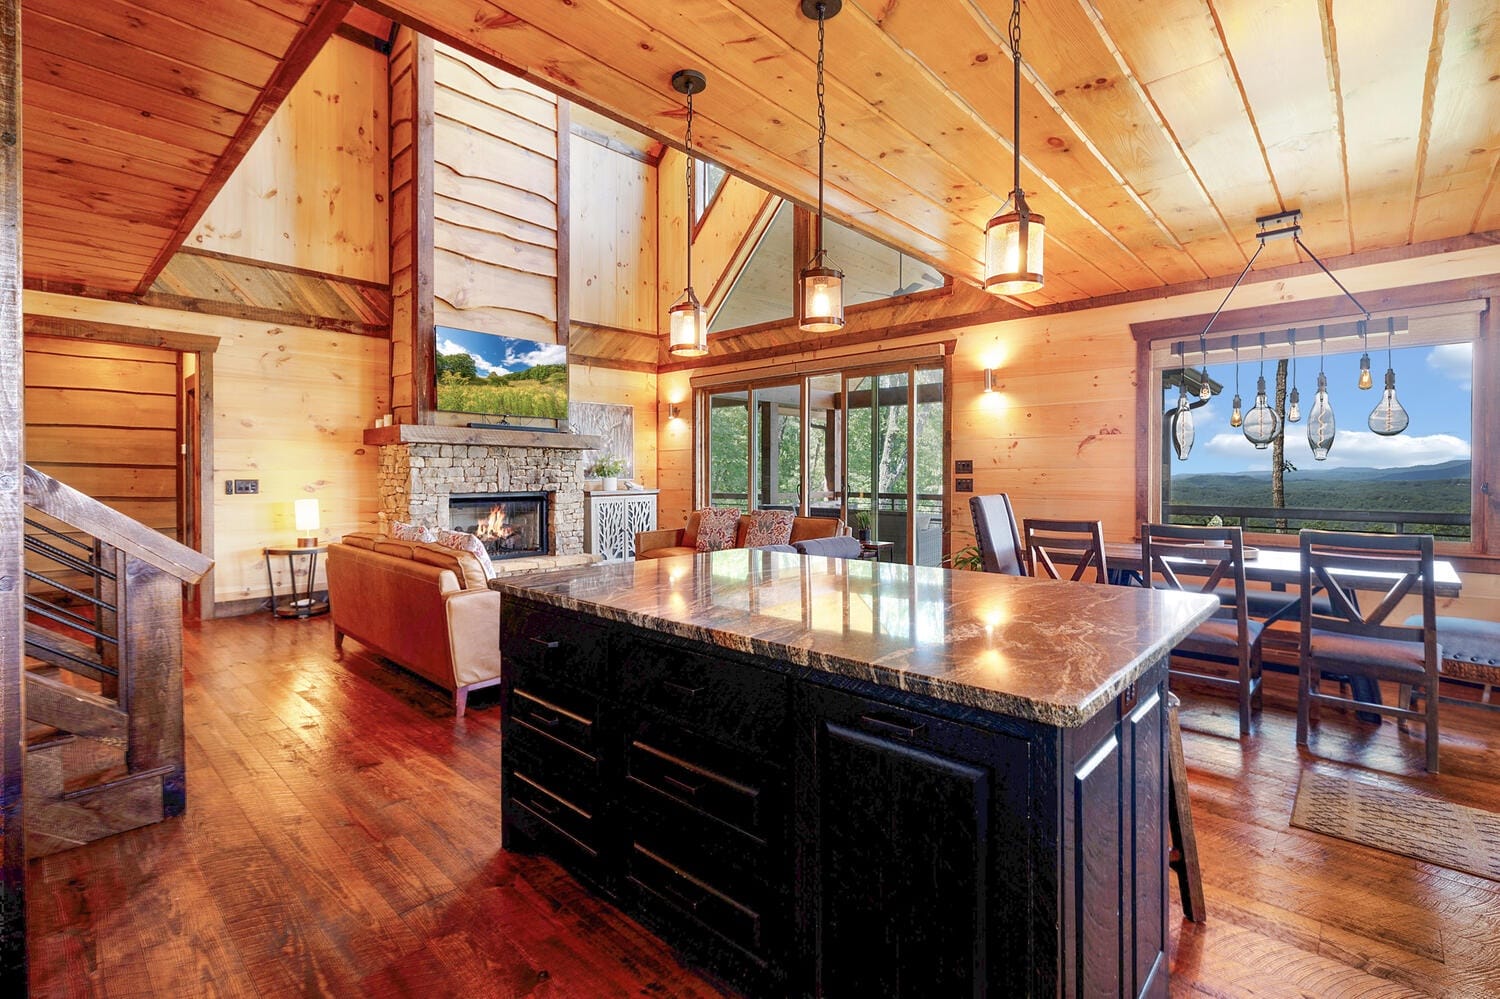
[461,365]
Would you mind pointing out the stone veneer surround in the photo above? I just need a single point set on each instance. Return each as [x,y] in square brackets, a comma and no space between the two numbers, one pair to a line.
[420,466]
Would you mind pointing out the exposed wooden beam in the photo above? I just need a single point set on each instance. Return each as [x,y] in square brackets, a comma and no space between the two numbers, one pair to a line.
[321,25]
[12,514]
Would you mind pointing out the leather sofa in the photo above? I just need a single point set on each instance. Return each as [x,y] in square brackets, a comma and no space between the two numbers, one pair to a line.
[684,540]
[427,608]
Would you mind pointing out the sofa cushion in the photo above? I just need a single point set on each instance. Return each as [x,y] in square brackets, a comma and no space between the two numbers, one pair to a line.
[837,546]
[463,565]
[690,531]
[395,549]
[717,528]
[402,531]
[767,527]
[804,528]
[362,540]
[464,542]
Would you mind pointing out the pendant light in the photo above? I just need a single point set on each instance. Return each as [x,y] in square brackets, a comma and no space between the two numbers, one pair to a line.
[820,288]
[1320,425]
[1293,407]
[688,327]
[1014,240]
[1204,392]
[1365,381]
[1261,422]
[1389,418]
[1182,420]
[1235,417]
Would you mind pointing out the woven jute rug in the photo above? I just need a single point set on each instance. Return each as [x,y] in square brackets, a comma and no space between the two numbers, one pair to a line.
[1399,819]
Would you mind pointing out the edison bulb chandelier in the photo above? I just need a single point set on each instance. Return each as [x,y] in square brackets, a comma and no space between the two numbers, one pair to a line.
[1320,423]
[1261,423]
[1389,417]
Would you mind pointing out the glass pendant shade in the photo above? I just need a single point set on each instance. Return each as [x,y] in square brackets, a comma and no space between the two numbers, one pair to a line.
[1365,381]
[1294,406]
[1261,422]
[1013,262]
[1320,425]
[1182,428]
[1389,417]
[688,333]
[822,294]
[1236,418]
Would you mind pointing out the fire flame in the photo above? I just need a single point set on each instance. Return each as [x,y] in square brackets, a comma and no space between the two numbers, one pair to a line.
[493,526]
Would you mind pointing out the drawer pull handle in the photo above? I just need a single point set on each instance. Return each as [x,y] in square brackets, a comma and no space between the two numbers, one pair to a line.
[901,730]
[681,689]
[688,789]
[549,646]
[535,802]
[544,720]
[691,905]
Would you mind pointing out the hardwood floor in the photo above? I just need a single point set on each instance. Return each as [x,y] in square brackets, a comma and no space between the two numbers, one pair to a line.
[342,839]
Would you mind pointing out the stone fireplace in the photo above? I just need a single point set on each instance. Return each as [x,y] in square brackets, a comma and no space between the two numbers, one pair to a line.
[509,525]
[424,468]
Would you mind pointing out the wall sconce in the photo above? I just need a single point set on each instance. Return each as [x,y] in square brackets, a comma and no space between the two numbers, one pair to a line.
[989,379]
[306,513]
[673,411]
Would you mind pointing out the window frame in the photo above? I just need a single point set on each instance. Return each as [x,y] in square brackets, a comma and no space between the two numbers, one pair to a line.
[1482,551]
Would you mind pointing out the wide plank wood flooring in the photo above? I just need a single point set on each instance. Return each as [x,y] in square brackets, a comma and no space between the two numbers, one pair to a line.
[342,839]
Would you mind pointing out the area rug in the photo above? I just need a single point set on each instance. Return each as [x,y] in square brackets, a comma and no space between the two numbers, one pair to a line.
[1389,816]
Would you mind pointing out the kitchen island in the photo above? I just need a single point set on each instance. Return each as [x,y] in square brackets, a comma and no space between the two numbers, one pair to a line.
[827,777]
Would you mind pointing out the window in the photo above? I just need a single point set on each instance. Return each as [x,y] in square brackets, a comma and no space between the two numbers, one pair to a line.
[1420,481]
[872,270]
[762,290]
[708,178]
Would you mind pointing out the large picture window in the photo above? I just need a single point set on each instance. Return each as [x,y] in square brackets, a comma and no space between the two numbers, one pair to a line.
[1331,462]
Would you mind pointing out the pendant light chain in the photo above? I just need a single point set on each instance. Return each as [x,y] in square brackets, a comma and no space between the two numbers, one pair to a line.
[822,136]
[1015,58]
[692,219]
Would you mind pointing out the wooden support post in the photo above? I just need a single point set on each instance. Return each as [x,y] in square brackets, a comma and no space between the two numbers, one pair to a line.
[151,677]
[12,504]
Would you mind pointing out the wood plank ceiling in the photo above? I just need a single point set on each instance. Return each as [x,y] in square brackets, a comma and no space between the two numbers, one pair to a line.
[1153,131]
[133,116]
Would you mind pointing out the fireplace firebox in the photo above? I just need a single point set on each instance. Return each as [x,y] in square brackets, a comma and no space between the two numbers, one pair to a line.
[511,525]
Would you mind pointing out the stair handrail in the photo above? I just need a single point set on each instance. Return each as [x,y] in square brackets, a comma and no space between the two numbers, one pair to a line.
[63,502]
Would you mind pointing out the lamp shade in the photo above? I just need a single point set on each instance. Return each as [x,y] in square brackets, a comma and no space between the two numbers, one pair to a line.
[822,299]
[1013,261]
[306,511]
[688,333]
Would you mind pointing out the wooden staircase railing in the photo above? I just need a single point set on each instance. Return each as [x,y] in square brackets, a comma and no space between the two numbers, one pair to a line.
[103,669]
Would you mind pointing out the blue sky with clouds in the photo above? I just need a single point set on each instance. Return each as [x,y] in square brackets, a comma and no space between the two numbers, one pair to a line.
[1434,384]
[498,353]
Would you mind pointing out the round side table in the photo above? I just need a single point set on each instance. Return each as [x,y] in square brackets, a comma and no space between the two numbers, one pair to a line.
[301,602]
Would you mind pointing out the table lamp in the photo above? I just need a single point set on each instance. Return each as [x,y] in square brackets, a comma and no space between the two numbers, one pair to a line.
[307,522]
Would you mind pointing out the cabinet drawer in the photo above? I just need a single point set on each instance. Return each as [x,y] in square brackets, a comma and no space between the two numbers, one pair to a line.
[698,784]
[539,641]
[556,713]
[559,767]
[548,805]
[737,703]
[665,884]
[737,864]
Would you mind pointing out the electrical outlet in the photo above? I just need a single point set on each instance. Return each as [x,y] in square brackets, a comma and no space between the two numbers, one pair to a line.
[228,487]
[963,467]
[244,486]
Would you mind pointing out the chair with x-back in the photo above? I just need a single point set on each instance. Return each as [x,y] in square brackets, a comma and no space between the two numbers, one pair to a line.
[995,533]
[1076,543]
[1349,641]
[1209,560]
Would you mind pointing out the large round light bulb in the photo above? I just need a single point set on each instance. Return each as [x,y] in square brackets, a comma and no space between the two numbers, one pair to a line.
[1320,424]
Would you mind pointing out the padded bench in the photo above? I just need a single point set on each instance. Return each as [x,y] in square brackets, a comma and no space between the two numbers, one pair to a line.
[1471,651]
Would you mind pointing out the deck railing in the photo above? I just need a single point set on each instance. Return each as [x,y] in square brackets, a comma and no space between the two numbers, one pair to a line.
[1452,526]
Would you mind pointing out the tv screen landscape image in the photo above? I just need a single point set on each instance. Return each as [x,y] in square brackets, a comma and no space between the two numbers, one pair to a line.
[483,374]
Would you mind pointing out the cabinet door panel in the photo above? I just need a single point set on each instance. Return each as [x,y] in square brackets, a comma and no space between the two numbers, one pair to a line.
[1146,832]
[1096,850]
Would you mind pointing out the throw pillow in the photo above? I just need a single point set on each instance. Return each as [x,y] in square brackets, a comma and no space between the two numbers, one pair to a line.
[410,532]
[768,527]
[465,542]
[716,529]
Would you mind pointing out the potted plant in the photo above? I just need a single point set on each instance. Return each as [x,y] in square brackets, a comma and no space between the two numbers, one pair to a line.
[862,525]
[608,468]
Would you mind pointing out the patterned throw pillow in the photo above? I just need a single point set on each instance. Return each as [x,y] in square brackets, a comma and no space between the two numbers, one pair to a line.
[465,542]
[716,529]
[768,527]
[411,532]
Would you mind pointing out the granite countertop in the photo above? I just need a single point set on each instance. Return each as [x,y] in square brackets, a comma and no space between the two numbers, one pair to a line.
[1045,650]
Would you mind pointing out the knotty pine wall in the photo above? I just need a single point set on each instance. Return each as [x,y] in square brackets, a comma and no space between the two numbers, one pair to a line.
[612,219]
[1059,433]
[290,409]
[313,190]
[495,200]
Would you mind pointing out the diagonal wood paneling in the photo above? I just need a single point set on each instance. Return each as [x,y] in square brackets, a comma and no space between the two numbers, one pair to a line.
[1152,133]
[136,112]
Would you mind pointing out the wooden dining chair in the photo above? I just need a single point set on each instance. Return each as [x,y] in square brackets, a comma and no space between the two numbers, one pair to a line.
[1353,642]
[995,533]
[1079,543]
[1209,560]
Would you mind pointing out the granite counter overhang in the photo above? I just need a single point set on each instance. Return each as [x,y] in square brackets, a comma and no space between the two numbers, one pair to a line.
[1044,650]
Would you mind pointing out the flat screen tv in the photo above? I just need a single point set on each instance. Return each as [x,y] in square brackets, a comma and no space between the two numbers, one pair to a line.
[501,379]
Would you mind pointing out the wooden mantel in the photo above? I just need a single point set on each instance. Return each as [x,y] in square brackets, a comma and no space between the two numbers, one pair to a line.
[417,433]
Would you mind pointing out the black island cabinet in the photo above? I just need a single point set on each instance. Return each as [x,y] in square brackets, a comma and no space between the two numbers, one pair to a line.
[802,832]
